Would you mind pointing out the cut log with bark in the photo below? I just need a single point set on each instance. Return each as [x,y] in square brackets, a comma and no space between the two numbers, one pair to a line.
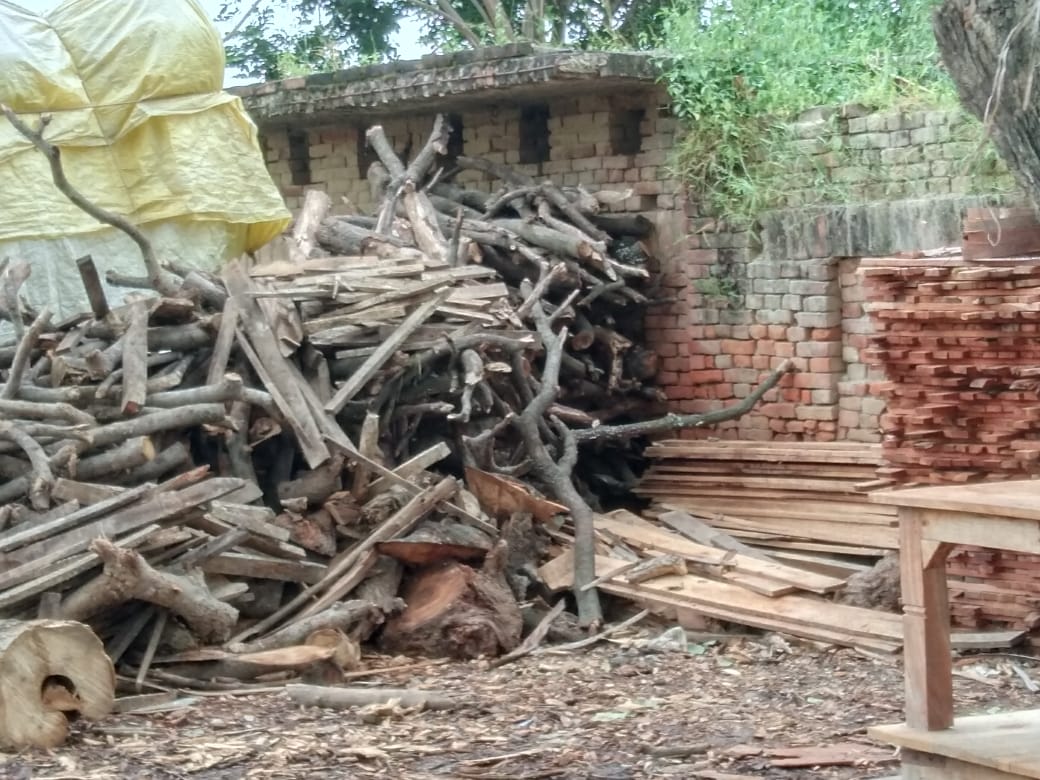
[51,671]
[456,611]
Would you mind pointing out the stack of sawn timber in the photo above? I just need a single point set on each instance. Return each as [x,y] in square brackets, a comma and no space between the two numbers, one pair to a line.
[680,564]
[806,497]
[956,335]
[806,504]
[229,462]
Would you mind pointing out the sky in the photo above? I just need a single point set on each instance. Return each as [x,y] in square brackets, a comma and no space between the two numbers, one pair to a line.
[406,39]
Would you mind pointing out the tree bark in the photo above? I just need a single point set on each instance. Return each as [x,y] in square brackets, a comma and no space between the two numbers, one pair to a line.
[972,34]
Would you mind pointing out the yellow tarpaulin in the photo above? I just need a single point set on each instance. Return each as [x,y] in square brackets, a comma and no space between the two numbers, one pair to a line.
[134,93]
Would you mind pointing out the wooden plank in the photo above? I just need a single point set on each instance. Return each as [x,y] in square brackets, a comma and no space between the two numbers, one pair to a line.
[1004,742]
[696,530]
[635,530]
[849,533]
[29,533]
[261,347]
[233,564]
[255,519]
[1013,498]
[368,369]
[804,616]
[157,508]
[986,640]
[55,573]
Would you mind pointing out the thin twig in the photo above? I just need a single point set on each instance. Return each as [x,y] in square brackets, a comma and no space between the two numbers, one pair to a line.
[22,354]
[158,278]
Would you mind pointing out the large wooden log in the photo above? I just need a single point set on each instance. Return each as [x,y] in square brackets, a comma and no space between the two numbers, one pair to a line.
[49,671]
[456,611]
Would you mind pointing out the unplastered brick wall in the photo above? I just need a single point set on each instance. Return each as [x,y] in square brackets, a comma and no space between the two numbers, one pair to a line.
[854,155]
[790,288]
[600,141]
[735,302]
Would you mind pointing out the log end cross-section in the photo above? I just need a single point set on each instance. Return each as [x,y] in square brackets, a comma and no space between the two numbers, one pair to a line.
[50,672]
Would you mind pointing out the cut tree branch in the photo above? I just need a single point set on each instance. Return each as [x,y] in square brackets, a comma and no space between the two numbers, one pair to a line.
[158,278]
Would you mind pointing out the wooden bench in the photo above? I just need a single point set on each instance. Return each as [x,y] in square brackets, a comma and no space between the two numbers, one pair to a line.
[932,521]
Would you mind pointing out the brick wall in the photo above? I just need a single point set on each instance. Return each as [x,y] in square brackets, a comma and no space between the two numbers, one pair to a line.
[583,149]
[790,287]
[737,301]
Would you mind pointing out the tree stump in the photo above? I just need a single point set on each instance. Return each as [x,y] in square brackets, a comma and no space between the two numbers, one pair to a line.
[456,611]
[51,671]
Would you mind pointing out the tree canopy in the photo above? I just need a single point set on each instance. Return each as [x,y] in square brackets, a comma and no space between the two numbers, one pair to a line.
[335,33]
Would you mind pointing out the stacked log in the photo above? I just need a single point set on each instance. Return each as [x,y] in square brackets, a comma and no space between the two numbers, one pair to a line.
[246,460]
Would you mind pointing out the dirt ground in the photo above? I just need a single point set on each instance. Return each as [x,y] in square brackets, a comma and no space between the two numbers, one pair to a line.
[618,711]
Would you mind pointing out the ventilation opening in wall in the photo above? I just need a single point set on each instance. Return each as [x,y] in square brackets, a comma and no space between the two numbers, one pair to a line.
[625,137]
[365,154]
[455,140]
[300,157]
[534,134]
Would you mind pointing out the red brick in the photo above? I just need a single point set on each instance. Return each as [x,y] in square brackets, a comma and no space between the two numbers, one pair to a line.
[700,256]
[666,350]
[812,380]
[675,364]
[706,376]
[848,419]
[759,331]
[784,349]
[818,349]
[825,364]
[678,392]
[762,362]
[777,410]
[698,361]
[765,347]
[826,334]
[738,347]
[724,390]
[796,333]
[851,310]
[742,361]
[778,332]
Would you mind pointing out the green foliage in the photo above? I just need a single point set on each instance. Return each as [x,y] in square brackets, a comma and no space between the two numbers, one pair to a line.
[722,287]
[738,71]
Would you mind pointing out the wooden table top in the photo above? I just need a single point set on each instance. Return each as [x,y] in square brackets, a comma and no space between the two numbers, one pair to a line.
[1017,499]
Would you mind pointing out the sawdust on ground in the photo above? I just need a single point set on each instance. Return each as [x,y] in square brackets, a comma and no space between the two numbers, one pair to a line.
[614,712]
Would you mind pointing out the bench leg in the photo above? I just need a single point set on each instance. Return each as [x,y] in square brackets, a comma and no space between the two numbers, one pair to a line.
[926,627]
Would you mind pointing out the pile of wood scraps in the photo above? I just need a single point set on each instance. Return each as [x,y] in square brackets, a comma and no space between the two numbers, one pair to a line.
[681,563]
[806,505]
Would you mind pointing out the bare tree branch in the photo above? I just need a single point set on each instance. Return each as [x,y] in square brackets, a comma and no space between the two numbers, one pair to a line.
[158,278]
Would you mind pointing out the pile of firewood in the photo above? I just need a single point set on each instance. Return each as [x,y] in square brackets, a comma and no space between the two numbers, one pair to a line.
[244,460]
[231,459]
